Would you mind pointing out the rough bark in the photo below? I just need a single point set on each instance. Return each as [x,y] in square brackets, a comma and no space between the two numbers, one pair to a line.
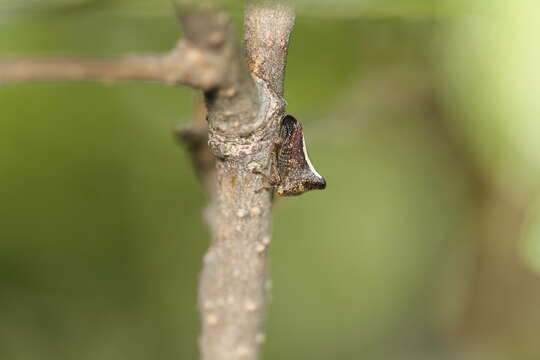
[232,292]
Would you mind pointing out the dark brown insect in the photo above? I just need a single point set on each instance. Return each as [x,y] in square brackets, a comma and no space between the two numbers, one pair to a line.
[292,171]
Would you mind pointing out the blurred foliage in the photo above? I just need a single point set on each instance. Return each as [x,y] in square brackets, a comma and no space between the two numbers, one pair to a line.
[100,230]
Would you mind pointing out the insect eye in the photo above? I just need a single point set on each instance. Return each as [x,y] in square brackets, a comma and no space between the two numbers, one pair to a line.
[288,124]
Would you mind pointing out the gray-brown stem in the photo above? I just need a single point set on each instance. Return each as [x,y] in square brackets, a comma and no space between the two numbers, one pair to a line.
[202,59]
[232,292]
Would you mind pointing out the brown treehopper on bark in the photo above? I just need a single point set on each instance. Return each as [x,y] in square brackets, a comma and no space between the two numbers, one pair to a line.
[291,170]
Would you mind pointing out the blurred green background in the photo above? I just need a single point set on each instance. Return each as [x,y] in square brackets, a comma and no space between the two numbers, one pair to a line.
[422,116]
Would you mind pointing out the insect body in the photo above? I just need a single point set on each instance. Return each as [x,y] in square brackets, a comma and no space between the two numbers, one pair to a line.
[293,172]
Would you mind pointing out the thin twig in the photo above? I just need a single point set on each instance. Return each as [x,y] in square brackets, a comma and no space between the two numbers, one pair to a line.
[184,65]
[202,59]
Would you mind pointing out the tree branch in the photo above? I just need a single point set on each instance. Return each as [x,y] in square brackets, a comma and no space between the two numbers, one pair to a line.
[200,60]
[267,33]
[243,124]
[184,65]
[195,137]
